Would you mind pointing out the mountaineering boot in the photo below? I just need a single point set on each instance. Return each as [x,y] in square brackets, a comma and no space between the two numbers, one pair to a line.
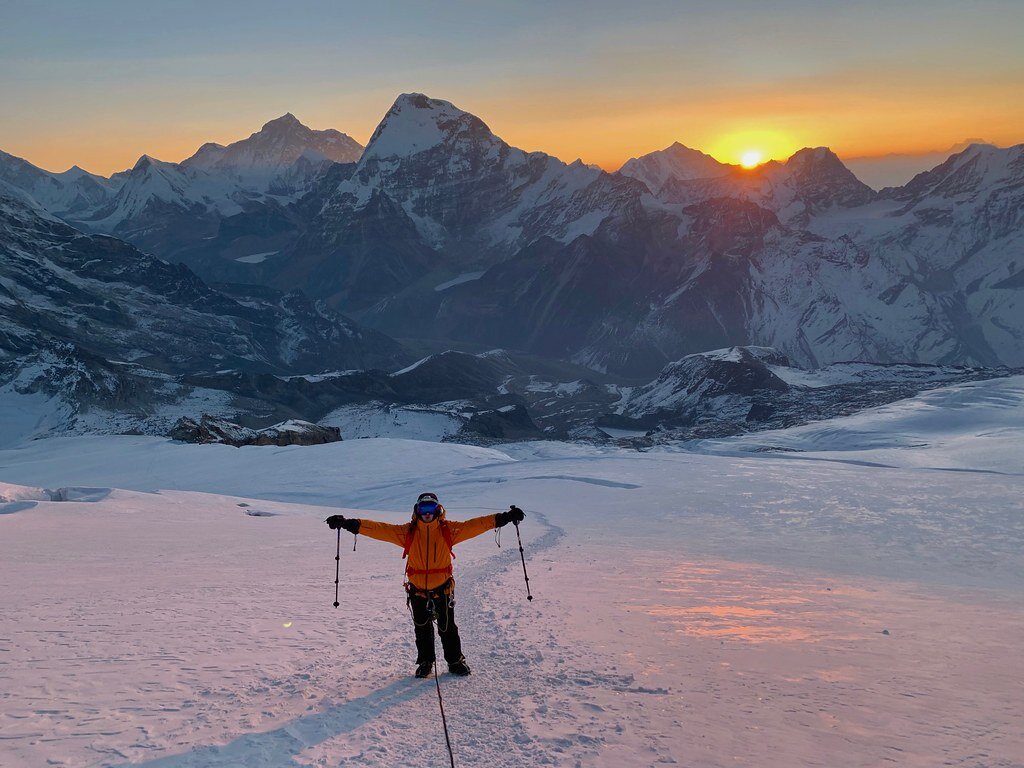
[424,669]
[460,668]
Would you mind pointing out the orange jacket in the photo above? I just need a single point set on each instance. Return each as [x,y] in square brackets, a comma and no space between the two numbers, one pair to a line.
[430,559]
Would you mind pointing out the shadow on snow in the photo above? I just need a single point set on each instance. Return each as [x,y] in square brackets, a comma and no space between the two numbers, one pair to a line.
[276,748]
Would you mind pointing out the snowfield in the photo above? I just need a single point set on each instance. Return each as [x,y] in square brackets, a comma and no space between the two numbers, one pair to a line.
[854,600]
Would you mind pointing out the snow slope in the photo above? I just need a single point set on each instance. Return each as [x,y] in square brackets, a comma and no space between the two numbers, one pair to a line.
[976,426]
[693,609]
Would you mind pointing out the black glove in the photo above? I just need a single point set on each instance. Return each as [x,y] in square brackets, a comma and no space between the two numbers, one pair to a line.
[340,521]
[514,515]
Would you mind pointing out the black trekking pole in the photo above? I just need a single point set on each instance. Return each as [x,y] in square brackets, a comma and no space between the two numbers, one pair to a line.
[522,557]
[337,568]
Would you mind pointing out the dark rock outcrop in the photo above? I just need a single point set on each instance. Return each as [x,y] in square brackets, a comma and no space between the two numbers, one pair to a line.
[210,429]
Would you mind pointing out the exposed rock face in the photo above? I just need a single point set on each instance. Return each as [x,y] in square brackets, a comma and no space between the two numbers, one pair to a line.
[210,429]
[510,422]
[297,432]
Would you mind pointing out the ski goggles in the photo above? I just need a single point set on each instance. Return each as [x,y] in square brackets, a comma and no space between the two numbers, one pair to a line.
[427,508]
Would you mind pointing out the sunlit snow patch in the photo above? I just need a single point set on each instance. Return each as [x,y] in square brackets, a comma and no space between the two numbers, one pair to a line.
[465,277]
[256,258]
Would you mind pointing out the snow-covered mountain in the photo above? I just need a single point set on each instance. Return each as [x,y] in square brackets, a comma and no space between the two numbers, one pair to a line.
[65,194]
[435,193]
[798,255]
[676,162]
[443,231]
[956,235]
[174,210]
[169,207]
[279,159]
[633,297]
[79,310]
[812,181]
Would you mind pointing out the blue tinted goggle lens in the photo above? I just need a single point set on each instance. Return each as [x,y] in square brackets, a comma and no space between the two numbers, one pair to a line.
[427,508]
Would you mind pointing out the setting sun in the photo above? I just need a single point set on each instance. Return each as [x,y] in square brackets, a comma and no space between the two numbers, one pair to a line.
[752,147]
[751,158]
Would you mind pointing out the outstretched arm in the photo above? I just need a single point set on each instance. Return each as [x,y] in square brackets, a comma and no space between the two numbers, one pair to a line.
[470,528]
[477,525]
[395,534]
[389,532]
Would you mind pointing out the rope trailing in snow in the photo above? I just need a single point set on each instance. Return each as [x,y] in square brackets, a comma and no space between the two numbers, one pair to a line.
[437,682]
[444,722]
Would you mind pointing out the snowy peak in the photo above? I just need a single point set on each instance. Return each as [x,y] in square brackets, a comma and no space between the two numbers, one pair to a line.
[818,172]
[145,163]
[22,174]
[272,150]
[149,171]
[812,181]
[979,167]
[677,162]
[150,180]
[416,124]
[812,158]
[65,193]
[207,155]
[284,123]
[76,172]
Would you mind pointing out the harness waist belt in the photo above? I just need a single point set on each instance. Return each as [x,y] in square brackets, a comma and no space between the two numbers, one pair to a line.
[428,571]
[439,591]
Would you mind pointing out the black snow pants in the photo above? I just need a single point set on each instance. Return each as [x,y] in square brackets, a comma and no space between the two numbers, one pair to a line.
[425,610]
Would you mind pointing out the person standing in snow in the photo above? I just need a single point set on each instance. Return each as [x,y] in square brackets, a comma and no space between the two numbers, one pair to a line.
[427,542]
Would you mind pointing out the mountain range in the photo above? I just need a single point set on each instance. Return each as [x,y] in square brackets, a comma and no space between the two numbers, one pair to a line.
[440,233]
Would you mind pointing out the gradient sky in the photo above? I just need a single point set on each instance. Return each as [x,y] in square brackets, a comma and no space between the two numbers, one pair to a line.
[100,83]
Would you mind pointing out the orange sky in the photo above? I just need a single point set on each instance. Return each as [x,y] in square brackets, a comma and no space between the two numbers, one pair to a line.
[853,125]
[596,80]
